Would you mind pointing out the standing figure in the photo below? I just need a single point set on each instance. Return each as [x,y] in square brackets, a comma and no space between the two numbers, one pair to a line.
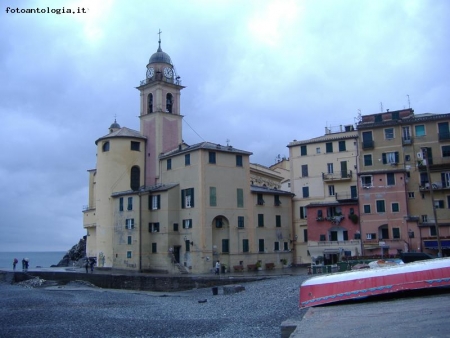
[92,263]
[15,261]
[26,264]
[217,267]
[23,264]
[86,265]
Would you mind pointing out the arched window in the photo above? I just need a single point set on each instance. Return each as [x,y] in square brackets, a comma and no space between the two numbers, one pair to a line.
[150,103]
[135,178]
[169,103]
[105,146]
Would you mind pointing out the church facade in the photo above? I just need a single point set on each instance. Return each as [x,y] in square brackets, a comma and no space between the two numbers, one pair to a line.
[158,204]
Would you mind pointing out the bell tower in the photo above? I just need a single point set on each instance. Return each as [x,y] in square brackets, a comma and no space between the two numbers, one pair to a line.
[161,121]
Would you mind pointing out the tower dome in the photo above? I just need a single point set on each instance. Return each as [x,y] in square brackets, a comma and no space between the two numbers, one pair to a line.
[114,126]
[160,56]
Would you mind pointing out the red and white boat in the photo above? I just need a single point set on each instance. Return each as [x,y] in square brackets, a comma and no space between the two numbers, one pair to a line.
[369,282]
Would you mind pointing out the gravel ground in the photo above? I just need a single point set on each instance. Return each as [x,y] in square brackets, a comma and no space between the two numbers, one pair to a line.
[38,309]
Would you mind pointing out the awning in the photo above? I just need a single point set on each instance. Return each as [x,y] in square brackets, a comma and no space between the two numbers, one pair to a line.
[371,246]
[331,251]
[434,244]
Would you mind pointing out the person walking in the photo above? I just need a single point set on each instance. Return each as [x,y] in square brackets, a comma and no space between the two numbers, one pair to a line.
[86,265]
[15,261]
[92,263]
[217,268]
[23,264]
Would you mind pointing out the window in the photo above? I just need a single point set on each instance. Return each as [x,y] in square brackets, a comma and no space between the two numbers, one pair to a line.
[367,140]
[331,190]
[240,198]
[330,168]
[212,157]
[261,245]
[260,199]
[276,200]
[367,208]
[129,254]
[129,240]
[169,103]
[187,198]
[439,204]
[424,218]
[219,222]
[154,202]
[154,246]
[433,231]
[260,220]
[187,159]
[371,236]
[319,213]
[303,151]
[276,246]
[329,147]
[396,233]
[380,206]
[175,226]
[240,221]
[105,146]
[135,146]
[187,245]
[390,158]
[135,178]
[212,197]
[303,213]
[305,235]
[285,246]
[129,223]
[390,179]
[410,194]
[169,164]
[389,133]
[130,203]
[225,246]
[368,160]
[419,130]
[238,160]
[187,224]
[395,207]
[366,181]
[318,150]
[149,103]
[446,151]
[245,246]
[278,221]
[304,170]
[121,204]
[342,146]
[305,191]
[407,158]
[322,238]
[153,227]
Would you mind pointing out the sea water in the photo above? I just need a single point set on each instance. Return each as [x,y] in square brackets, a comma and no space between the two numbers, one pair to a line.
[43,259]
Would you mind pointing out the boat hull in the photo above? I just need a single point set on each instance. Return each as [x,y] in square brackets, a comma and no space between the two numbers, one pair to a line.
[362,283]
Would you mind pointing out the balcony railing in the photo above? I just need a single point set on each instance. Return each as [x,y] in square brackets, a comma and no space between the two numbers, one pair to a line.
[444,136]
[407,141]
[338,175]
[368,144]
[345,196]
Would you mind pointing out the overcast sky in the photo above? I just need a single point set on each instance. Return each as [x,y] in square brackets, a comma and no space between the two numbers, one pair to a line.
[257,73]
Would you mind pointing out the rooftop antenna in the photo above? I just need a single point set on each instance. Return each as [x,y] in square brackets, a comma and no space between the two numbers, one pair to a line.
[381,106]
[409,103]
[228,142]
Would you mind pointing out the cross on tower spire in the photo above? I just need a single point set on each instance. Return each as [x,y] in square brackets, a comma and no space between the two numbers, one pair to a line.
[159,40]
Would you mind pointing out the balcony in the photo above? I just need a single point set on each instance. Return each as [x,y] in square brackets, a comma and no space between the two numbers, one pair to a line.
[368,144]
[443,137]
[338,176]
[345,196]
[407,141]
[436,163]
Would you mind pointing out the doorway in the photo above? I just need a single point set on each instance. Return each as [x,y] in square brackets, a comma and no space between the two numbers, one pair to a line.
[176,253]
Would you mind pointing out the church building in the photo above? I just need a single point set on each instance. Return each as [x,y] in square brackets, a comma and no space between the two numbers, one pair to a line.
[158,204]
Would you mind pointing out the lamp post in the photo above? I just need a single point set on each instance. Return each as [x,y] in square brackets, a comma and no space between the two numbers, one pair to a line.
[430,185]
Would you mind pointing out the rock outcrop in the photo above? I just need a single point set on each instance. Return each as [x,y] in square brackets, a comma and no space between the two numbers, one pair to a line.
[75,256]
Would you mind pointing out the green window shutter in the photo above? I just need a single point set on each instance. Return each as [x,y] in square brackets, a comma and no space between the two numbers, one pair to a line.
[278,221]
[192,197]
[397,157]
[183,195]
[245,247]
[260,220]
[383,156]
[261,245]
[240,198]
[212,197]
[225,245]
[159,201]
